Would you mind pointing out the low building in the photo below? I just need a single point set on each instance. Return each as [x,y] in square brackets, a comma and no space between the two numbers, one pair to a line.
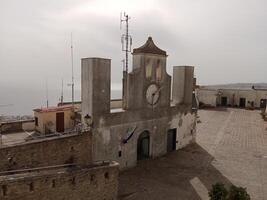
[243,98]
[54,119]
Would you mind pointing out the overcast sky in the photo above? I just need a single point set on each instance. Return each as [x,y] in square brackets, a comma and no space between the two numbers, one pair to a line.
[226,41]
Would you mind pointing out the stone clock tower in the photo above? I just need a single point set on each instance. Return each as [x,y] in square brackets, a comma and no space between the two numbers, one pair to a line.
[148,85]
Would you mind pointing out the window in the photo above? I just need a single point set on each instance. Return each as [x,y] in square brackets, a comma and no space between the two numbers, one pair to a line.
[92,178]
[73,181]
[106,175]
[31,187]
[4,189]
[148,71]
[158,72]
[53,183]
[36,121]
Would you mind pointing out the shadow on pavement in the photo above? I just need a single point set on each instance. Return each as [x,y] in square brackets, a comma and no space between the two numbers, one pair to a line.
[169,177]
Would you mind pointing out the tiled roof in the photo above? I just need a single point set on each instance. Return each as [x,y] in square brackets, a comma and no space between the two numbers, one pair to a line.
[150,47]
[53,109]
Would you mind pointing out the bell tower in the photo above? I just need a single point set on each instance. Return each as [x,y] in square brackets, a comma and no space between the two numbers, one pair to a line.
[148,85]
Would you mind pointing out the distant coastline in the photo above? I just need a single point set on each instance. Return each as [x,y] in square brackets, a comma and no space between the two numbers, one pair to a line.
[18,102]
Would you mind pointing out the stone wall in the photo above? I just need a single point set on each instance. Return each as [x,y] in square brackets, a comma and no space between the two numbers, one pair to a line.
[207,98]
[57,150]
[17,126]
[90,183]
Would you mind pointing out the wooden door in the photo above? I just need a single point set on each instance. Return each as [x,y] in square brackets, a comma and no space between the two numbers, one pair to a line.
[143,146]
[171,140]
[242,102]
[60,122]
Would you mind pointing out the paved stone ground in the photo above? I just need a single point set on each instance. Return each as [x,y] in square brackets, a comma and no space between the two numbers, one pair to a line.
[231,148]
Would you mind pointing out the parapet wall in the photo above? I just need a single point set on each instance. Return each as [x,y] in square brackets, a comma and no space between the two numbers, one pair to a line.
[73,148]
[17,126]
[90,183]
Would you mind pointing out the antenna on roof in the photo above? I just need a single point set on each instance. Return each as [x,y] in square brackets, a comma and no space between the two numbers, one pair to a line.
[46,88]
[126,43]
[61,98]
[126,39]
[72,76]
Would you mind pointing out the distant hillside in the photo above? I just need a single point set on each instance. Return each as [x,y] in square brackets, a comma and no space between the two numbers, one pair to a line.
[237,86]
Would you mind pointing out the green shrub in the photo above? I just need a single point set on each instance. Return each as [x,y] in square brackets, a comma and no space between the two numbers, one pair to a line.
[238,193]
[218,192]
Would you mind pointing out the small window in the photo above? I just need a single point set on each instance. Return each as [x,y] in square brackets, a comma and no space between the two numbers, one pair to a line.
[31,187]
[158,72]
[36,121]
[148,69]
[73,181]
[106,175]
[53,183]
[4,188]
[92,178]
[119,153]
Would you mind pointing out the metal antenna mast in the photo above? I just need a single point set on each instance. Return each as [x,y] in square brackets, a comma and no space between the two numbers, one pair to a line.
[126,39]
[126,43]
[46,88]
[72,76]
[61,98]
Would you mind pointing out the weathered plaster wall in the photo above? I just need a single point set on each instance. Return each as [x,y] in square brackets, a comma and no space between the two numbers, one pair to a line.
[186,129]
[50,151]
[147,69]
[95,86]
[88,183]
[207,97]
[45,118]
[108,137]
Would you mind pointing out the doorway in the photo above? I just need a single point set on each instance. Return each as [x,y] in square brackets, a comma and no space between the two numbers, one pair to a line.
[143,146]
[60,122]
[171,140]
[263,103]
[242,102]
[224,101]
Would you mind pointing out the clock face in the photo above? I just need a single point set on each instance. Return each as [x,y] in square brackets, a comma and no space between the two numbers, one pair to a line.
[152,94]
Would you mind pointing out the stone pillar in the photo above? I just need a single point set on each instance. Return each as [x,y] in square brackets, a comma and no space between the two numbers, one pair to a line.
[182,87]
[95,86]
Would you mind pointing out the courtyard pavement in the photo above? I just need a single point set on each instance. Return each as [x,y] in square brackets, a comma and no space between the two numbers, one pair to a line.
[231,147]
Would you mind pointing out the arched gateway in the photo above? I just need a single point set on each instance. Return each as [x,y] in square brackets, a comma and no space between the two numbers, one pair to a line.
[143,143]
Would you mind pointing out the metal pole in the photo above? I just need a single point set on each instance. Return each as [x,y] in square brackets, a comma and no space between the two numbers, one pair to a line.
[72,76]
[127,40]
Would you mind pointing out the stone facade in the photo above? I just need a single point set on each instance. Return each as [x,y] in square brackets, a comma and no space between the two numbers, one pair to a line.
[149,123]
[96,182]
[72,148]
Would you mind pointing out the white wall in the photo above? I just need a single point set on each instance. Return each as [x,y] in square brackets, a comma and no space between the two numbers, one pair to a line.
[207,97]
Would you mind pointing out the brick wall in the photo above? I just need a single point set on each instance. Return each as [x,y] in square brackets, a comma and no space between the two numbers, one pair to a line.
[75,148]
[90,183]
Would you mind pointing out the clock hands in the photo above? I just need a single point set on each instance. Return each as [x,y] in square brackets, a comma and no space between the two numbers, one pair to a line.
[153,95]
